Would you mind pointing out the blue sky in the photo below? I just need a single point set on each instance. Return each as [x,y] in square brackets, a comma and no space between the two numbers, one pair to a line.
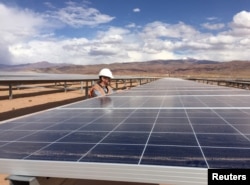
[108,31]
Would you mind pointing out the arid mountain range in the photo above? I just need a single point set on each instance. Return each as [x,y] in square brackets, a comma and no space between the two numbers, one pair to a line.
[176,68]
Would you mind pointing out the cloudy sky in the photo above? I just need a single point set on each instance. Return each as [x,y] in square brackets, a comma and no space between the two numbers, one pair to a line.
[108,31]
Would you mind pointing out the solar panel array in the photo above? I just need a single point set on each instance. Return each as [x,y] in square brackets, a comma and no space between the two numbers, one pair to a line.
[167,131]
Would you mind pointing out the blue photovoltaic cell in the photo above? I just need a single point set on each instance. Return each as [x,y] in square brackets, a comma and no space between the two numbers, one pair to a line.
[115,153]
[169,122]
[172,113]
[84,137]
[237,121]
[136,127]
[223,129]
[60,152]
[227,158]
[126,138]
[141,120]
[243,128]
[12,135]
[177,121]
[44,136]
[10,125]
[201,113]
[187,139]
[99,127]
[173,128]
[32,126]
[174,156]
[65,126]
[108,120]
[207,120]
[223,140]
[20,150]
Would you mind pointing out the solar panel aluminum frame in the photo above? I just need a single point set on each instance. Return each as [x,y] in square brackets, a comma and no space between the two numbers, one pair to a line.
[115,171]
[106,171]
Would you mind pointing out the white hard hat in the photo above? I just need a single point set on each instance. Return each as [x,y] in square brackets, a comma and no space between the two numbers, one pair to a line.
[106,72]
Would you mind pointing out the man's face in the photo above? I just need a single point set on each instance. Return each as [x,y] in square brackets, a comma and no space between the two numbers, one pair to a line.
[106,80]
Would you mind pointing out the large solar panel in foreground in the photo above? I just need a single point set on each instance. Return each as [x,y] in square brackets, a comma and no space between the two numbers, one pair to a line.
[169,131]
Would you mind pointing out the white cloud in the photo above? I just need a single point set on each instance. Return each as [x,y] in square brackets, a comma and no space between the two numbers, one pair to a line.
[49,5]
[17,24]
[78,16]
[240,26]
[112,31]
[136,10]
[131,25]
[211,26]
[162,30]
[221,39]
[242,19]
[244,41]
[103,49]
[5,55]
[107,47]
[26,36]
[211,18]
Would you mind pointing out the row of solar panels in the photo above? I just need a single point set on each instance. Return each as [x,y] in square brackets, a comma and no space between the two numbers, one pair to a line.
[169,131]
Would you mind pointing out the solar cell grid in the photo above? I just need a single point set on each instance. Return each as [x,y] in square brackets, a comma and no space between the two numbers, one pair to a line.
[174,156]
[184,124]
[169,92]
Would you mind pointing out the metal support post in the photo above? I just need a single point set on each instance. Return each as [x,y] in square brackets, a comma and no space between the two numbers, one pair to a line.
[116,84]
[87,89]
[81,87]
[10,92]
[65,86]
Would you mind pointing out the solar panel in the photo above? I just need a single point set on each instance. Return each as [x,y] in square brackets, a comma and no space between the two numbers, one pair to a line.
[169,131]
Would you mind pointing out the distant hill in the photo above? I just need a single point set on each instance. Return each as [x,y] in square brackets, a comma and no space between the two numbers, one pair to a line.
[155,67]
[176,68]
[30,66]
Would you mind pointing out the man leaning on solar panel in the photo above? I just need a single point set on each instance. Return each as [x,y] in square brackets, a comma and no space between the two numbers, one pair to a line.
[102,87]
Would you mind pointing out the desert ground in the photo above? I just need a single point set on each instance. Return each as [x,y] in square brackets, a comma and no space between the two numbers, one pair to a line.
[28,100]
